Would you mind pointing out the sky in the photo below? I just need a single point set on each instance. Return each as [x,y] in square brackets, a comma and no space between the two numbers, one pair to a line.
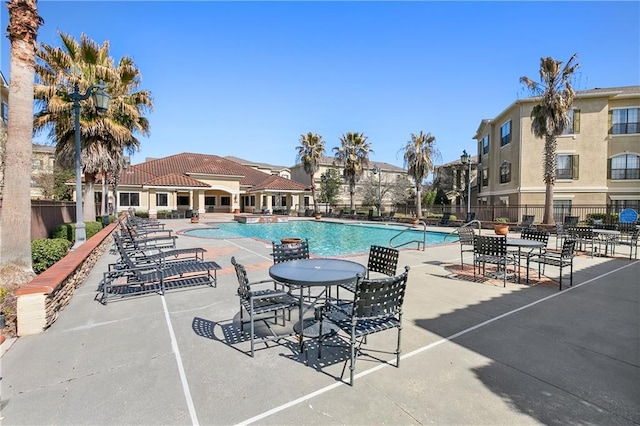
[248,78]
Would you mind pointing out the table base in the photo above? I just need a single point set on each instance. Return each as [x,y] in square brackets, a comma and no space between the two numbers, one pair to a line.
[311,328]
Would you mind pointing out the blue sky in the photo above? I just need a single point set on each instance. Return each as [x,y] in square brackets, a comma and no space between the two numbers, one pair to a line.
[247,78]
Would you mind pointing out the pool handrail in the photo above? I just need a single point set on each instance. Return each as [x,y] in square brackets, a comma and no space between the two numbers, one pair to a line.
[455,231]
[424,236]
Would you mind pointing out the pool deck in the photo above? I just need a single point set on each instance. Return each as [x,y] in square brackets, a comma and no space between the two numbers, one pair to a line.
[474,352]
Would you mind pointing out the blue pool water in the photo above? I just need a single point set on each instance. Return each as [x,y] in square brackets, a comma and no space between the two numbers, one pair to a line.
[325,238]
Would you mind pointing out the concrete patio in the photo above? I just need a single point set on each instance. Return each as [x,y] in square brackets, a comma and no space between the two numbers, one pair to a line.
[473,353]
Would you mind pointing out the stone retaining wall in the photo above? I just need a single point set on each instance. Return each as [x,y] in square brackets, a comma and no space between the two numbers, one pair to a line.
[40,300]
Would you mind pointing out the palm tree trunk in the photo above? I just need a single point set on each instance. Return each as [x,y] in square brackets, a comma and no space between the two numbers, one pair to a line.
[313,193]
[352,194]
[15,215]
[548,205]
[549,178]
[418,201]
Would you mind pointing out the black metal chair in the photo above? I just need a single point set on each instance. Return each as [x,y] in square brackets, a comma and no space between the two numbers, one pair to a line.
[560,259]
[467,239]
[629,237]
[285,252]
[376,306]
[383,260]
[527,221]
[583,236]
[259,302]
[493,250]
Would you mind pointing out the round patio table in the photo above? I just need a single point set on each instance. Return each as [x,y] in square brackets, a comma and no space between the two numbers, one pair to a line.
[315,273]
[607,237]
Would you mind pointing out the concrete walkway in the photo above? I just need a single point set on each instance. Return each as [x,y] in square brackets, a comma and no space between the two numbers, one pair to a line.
[473,353]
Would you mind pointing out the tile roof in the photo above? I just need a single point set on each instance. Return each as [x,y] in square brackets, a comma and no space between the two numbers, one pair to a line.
[182,170]
[277,183]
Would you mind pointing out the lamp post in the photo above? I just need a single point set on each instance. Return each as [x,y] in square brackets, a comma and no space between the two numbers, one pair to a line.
[101,100]
[378,171]
[465,159]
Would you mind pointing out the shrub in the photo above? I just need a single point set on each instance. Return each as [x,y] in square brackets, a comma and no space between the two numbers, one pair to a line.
[45,252]
[68,230]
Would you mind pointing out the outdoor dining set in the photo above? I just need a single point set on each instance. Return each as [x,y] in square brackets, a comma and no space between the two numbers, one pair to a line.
[531,247]
[329,295]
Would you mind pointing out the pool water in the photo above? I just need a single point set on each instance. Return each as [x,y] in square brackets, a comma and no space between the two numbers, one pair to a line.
[325,238]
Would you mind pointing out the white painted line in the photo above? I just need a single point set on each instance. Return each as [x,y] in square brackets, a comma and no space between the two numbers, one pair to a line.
[420,350]
[250,251]
[183,376]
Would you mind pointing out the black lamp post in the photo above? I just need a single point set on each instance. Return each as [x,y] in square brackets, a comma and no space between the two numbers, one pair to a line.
[465,159]
[378,171]
[101,100]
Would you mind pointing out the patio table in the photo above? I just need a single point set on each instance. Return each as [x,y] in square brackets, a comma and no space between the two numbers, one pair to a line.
[607,236]
[320,272]
[521,243]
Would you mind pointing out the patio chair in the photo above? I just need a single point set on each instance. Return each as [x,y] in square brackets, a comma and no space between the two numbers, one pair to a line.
[527,221]
[390,217]
[467,238]
[286,252]
[493,250]
[560,259]
[383,260]
[470,216]
[629,237]
[152,255]
[289,251]
[256,303]
[583,236]
[562,229]
[376,306]
[445,219]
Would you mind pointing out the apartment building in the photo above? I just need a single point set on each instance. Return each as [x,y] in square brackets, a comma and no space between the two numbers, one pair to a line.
[387,176]
[598,156]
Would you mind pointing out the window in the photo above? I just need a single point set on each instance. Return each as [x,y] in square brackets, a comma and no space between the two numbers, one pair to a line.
[574,123]
[566,166]
[505,133]
[619,205]
[209,201]
[129,199]
[225,201]
[624,121]
[36,164]
[5,114]
[505,172]
[183,200]
[485,177]
[162,199]
[626,166]
[484,148]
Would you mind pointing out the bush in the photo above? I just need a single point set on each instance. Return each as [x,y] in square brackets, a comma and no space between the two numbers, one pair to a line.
[68,230]
[45,252]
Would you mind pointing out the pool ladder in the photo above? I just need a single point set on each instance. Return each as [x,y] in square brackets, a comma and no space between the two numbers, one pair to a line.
[420,243]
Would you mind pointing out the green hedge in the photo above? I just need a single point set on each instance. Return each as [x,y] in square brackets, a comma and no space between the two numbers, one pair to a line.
[45,252]
[68,230]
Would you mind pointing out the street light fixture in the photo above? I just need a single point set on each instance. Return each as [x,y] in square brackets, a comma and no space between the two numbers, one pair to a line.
[378,171]
[101,100]
[465,159]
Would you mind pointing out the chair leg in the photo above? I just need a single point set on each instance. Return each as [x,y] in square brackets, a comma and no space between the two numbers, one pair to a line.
[560,276]
[252,328]
[398,347]
[352,366]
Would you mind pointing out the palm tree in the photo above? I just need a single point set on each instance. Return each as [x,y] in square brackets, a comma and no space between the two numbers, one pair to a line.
[310,151]
[353,155]
[419,154]
[104,138]
[551,116]
[15,215]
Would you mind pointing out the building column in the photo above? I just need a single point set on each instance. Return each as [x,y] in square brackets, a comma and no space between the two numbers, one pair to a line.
[200,201]
[153,208]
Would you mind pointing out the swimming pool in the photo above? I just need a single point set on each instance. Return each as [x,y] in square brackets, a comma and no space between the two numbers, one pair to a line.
[325,238]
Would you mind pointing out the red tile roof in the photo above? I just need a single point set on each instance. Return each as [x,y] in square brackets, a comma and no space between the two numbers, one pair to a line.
[182,170]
